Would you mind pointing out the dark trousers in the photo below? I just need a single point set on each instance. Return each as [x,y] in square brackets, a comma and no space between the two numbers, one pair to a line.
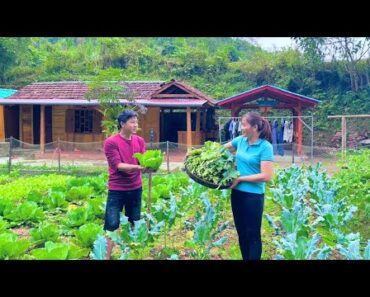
[115,202]
[247,211]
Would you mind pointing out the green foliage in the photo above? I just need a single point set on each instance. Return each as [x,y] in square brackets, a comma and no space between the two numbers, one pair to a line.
[25,213]
[45,232]
[100,248]
[21,187]
[6,206]
[219,67]
[87,234]
[52,251]
[77,217]
[77,193]
[213,163]
[133,240]
[3,225]
[95,208]
[77,253]
[207,230]
[59,251]
[312,218]
[354,186]
[162,186]
[108,92]
[83,187]
[151,159]
[11,247]
[349,247]
[35,196]
[56,198]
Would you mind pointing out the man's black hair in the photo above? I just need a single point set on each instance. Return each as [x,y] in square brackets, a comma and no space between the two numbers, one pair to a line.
[125,116]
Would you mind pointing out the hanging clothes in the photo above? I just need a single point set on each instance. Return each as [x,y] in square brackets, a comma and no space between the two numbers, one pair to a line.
[240,127]
[282,129]
[274,136]
[232,129]
[226,131]
[236,128]
[286,131]
[280,142]
[290,132]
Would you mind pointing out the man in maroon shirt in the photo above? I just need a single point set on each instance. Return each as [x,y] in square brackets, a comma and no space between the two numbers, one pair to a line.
[125,183]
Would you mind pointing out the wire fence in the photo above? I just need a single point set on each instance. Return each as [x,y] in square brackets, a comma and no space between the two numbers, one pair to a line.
[89,158]
[357,132]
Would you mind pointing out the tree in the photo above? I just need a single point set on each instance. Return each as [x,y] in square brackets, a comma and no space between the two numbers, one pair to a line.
[108,89]
[350,50]
[13,53]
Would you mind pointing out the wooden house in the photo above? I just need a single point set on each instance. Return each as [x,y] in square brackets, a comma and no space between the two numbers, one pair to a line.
[44,112]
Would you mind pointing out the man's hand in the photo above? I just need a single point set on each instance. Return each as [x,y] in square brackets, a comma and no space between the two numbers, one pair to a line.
[148,170]
[134,168]
[129,167]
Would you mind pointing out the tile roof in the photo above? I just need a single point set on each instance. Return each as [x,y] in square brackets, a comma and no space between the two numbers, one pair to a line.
[58,92]
[77,90]
[271,92]
[146,102]
[189,88]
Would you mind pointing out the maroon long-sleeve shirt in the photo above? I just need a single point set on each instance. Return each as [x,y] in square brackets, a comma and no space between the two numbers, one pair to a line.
[119,150]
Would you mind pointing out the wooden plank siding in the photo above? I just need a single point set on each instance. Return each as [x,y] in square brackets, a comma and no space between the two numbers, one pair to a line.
[2,123]
[26,126]
[59,127]
[150,120]
[63,125]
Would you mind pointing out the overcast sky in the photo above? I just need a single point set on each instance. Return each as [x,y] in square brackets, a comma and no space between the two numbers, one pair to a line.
[273,43]
[277,43]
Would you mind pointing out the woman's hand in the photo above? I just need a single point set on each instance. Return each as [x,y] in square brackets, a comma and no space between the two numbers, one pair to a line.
[235,183]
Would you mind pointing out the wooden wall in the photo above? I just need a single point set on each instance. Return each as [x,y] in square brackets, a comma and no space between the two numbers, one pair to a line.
[149,120]
[59,123]
[2,123]
[25,123]
[195,139]
[11,115]
[63,125]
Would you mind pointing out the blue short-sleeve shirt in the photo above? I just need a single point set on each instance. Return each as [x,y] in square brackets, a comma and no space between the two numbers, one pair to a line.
[248,161]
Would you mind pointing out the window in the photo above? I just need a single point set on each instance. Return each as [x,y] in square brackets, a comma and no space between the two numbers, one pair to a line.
[83,121]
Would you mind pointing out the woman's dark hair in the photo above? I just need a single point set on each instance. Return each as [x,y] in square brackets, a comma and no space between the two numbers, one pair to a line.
[263,126]
[125,116]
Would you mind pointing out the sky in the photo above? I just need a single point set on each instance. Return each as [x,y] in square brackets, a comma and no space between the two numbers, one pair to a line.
[277,43]
[273,43]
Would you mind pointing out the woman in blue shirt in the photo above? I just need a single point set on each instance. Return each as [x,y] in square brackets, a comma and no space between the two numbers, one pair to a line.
[254,158]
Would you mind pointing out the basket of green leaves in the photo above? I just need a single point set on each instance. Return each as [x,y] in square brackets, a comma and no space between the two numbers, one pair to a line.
[212,166]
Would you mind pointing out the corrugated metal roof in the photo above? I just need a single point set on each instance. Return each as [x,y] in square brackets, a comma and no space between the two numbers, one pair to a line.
[6,92]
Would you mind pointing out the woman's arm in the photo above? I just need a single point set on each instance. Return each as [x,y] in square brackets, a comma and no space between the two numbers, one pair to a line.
[229,146]
[264,176]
